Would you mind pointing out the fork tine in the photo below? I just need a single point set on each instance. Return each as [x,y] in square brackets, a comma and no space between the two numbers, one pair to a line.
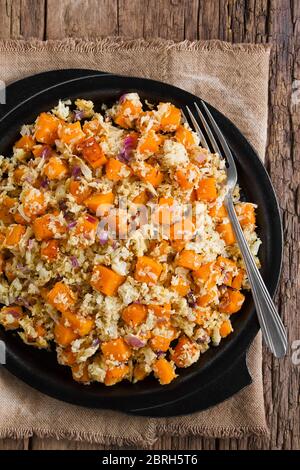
[197,129]
[184,117]
[220,136]
[208,130]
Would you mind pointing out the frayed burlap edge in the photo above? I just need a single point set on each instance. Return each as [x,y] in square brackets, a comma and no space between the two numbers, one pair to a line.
[150,437]
[217,433]
[116,43]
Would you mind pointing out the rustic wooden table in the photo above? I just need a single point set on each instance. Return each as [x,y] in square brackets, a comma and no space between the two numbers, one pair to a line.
[260,21]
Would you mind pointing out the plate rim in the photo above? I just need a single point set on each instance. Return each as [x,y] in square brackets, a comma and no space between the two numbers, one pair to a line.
[91,73]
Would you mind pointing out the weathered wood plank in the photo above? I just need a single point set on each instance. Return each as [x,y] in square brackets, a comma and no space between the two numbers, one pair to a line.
[81,18]
[14,444]
[170,19]
[22,19]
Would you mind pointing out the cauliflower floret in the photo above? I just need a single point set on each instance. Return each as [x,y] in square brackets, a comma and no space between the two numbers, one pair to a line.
[175,155]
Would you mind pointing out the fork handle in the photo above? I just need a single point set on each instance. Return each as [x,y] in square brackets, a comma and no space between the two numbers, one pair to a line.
[270,322]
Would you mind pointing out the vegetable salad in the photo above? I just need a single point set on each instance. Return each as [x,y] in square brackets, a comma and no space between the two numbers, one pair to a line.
[115,246]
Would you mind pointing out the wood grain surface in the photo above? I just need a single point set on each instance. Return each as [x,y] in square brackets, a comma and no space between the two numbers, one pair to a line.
[255,21]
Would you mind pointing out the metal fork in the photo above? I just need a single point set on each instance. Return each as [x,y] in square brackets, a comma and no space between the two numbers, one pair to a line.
[270,322]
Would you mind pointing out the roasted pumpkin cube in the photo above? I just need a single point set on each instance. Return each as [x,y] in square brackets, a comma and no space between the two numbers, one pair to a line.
[61,297]
[147,270]
[106,280]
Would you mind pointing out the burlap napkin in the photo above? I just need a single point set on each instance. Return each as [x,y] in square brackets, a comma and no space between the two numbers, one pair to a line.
[233,78]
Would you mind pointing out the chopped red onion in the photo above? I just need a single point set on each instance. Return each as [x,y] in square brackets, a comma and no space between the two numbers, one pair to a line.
[201,157]
[203,339]
[103,236]
[22,301]
[79,114]
[62,205]
[126,152]
[95,342]
[74,261]
[76,171]
[22,268]
[46,152]
[122,98]
[72,224]
[30,244]
[191,299]
[159,354]
[134,341]
[44,183]
[91,219]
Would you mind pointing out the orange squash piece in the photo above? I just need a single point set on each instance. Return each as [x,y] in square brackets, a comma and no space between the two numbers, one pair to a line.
[47,227]
[19,174]
[92,127]
[139,372]
[67,357]
[204,272]
[187,177]
[116,170]
[184,351]
[231,301]
[92,152]
[218,212]
[26,142]
[14,235]
[237,281]
[116,374]
[178,245]
[207,190]
[10,317]
[86,227]
[164,371]
[80,373]
[225,329]
[246,213]
[64,335]
[205,299]
[79,191]
[151,174]
[38,150]
[147,270]
[159,343]
[141,198]
[127,113]
[71,133]
[56,169]
[149,143]
[50,249]
[181,286]
[46,128]
[106,280]
[61,297]
[162,312]
[164,213]
[185,136]
[81,325]
[116,349]
[100,203]
[134,314]
[34,203]
[226,232]
[5,215]
[170,119]
[189,259]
